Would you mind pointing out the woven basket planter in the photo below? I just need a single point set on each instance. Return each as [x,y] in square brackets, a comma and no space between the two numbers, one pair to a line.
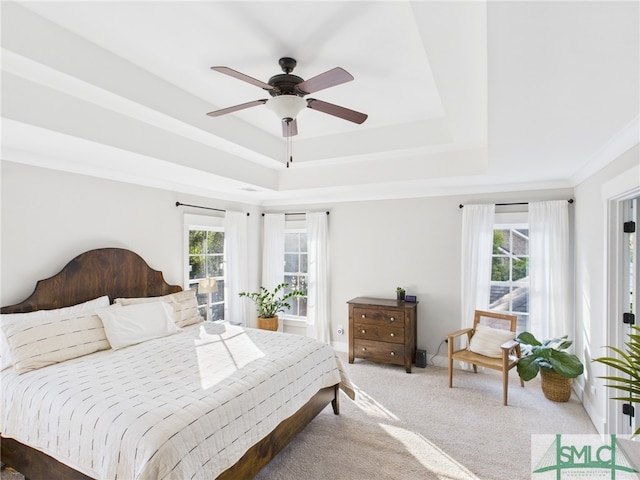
[555,387]
[268,323]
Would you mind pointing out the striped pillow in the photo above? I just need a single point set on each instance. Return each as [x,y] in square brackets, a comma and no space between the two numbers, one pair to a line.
[184,305]
[86,307]
[37,342]
[486,340]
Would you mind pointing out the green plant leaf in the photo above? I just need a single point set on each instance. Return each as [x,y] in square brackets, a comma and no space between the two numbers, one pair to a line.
[527,368]
[528,338]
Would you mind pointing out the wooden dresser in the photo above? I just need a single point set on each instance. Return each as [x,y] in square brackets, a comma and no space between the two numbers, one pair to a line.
[382,330]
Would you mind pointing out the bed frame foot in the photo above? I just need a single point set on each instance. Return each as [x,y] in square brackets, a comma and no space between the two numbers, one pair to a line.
[335,403]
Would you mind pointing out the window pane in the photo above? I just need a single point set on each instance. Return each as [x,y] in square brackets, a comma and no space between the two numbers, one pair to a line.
[291,242]
[215,242]
[500,269]
[520,268]
[291,262]
[520,242]
[214,266]
[197,267]
[303,242]
[500,241]
[520,299]
[196,241]
[499,297]
[303,263]
[302,305]
[217,311]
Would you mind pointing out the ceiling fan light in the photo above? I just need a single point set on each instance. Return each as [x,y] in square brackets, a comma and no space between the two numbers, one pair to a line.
[286,106]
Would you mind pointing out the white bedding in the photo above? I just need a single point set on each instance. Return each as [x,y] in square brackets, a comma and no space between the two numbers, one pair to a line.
[186,406]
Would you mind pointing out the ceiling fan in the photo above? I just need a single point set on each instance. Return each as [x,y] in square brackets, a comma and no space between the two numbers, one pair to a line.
[287,92]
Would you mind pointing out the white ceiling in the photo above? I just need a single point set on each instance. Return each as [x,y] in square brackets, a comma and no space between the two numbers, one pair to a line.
[461,96]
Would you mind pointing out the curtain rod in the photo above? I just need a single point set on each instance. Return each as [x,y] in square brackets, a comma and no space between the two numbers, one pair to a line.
[571,200]
[178,204]
[291,213]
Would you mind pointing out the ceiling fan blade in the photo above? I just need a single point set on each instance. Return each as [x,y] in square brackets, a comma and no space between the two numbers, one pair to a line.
[330,78]
[336,111]
[235,108]
[243,77]
[289,128]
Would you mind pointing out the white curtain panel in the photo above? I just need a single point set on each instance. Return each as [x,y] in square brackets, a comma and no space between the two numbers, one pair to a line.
[477,248]
[318,302]
[549,296]
[236,265]
[273,252]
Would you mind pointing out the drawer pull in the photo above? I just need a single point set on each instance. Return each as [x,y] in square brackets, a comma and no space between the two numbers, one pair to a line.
[364,316]
[364,349]
[392,334]
[393,353]
[364,331]
[392,319]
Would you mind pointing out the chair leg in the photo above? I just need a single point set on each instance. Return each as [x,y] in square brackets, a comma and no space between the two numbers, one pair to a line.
[450,356]
[505,385]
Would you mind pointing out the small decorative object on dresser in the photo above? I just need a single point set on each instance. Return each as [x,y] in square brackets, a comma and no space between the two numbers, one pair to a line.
[400,293]
[383,330]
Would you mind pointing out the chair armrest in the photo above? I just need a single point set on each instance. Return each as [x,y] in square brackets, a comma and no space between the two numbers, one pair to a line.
[459,333]
[509,345]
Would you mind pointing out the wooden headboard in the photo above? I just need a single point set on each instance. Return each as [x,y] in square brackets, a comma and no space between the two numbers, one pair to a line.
[115,272]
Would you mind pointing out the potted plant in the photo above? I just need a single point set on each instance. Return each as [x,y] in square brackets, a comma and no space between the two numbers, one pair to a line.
[400,293]
[557,368]
[270,303]
[627,363]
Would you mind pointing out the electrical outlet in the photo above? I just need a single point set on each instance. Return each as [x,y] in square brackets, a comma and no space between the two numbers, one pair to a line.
[340,330]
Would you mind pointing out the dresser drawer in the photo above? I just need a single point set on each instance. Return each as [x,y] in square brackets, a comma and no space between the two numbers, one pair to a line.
[379,351]
[378,331]
[377,315]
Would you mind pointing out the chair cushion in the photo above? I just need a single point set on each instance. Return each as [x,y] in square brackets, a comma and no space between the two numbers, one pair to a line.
[486,341]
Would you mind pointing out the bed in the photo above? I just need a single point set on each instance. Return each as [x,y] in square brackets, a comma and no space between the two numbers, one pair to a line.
[208,400]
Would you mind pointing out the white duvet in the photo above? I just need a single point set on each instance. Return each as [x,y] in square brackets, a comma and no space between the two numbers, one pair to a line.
[181,407]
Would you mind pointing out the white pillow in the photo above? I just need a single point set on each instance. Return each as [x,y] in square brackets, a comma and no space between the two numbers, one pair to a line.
[40,341]
[130,324]
[85,307]
[486,340]
[184,305]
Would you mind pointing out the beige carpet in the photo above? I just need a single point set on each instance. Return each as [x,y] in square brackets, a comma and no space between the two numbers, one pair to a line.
[413,426]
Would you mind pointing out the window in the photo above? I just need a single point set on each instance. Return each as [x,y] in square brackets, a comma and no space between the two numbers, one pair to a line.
[295,270]
[205,260]
[510,272]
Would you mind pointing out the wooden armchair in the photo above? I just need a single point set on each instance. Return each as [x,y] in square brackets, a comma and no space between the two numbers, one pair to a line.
[494,347]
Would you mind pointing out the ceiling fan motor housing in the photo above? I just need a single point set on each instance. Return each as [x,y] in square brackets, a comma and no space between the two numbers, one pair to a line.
[284,84]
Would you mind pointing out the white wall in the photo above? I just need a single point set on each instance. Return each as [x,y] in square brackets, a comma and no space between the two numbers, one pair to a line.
[592,282]
[49,217]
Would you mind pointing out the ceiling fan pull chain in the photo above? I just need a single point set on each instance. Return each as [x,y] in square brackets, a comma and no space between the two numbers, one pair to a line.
[289,153]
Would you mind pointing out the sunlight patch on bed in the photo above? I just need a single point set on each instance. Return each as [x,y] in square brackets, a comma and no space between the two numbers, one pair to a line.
[429,455]
[214,366]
